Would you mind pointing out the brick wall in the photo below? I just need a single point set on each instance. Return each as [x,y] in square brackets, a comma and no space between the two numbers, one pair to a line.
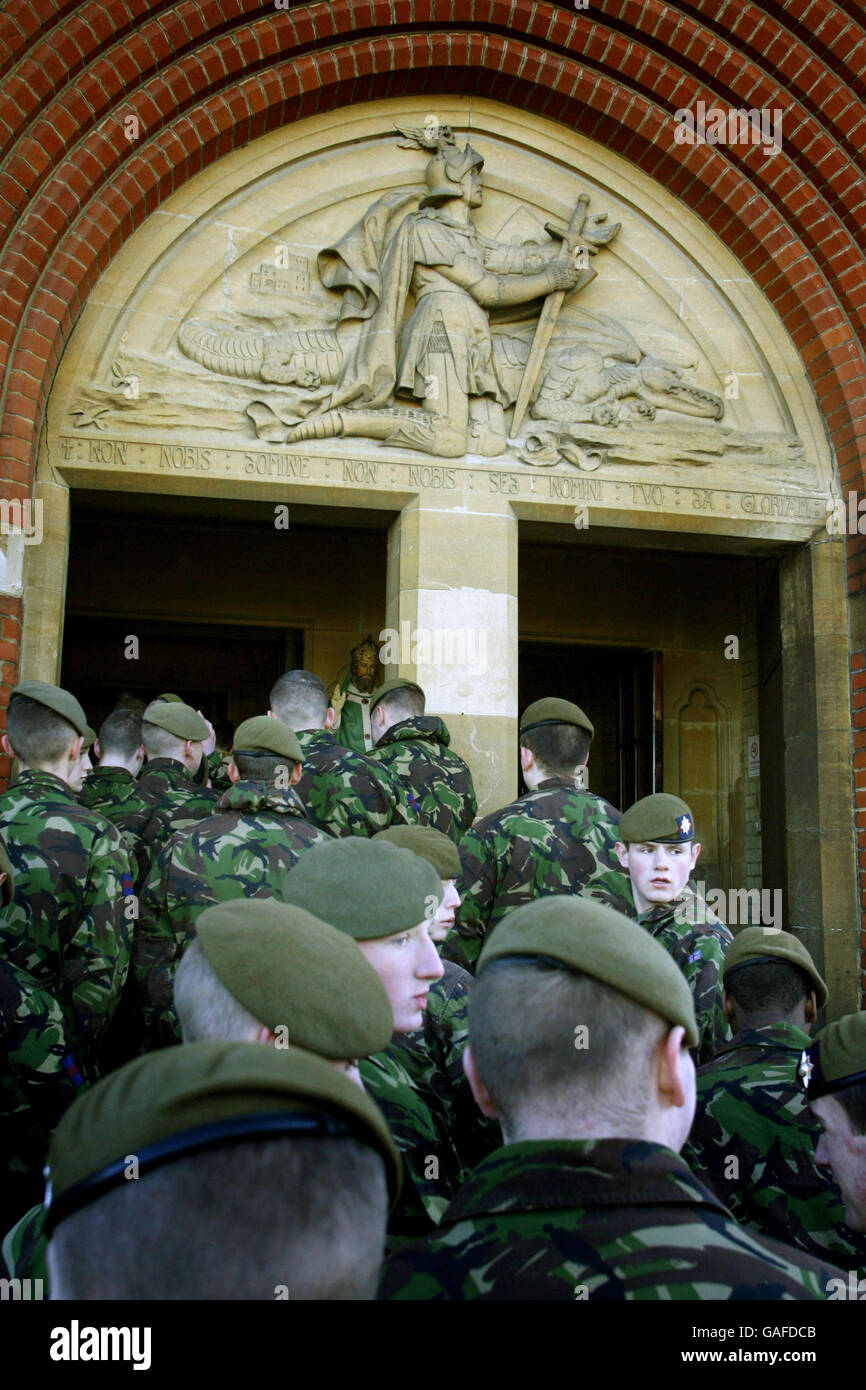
[203,77]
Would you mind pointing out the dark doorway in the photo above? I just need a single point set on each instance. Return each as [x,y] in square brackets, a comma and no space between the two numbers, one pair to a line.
[619,688]
[226,672]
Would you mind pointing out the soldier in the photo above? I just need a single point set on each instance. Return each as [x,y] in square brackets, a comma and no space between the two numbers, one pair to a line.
[580,1027]
[245,849]
[350,698]
[66,925]
[111,788]
[753,1138]
[557,838]
[38,1075]
[434,784]
[260,1174]
[833,1071]
[262,971]
[433,1056]
[657,847]
[385,898]
[173,734]
[343,792]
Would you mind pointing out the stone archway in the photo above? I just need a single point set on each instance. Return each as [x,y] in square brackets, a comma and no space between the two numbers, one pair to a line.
[140,405]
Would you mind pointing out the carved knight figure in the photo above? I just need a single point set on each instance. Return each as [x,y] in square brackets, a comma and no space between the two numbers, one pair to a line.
[442,354]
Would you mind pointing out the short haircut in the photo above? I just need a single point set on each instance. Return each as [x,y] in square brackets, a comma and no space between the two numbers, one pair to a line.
[120,733]
[159,743]
[262,767]
[776,986]
[206,1009]
[558,747]
[245,1221]
[403,703]
[300,699]
[852,1100]
[36,733]
[523,1020]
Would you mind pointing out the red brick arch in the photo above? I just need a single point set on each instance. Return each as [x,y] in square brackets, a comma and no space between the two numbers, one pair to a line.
[204,77]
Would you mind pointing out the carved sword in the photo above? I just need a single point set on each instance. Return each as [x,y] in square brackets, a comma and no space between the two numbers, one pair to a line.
[550,310]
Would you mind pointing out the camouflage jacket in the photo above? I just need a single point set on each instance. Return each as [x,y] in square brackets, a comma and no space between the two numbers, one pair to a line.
[594,1219]
[168,795]
[697,940]
[217,771]
[67,925]
[39,1075]
[433,1058]
[753,1143]
[245,850]
[433,784]
[113,792]
[421,1129]
[553,840]
[342,791]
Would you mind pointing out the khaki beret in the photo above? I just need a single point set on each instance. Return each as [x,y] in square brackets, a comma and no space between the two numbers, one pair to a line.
[264,734]
[552,711]
[181,1100]
[169,698]
[178,719]
[290,969]
[757,945]
[60,701]
[7,887]
[836,1059]
[660,817]
[399,683]
[364,888]
[430,844]
[89,738]
[585,935]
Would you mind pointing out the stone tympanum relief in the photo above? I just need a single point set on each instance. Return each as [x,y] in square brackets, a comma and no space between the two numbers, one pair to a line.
[414,328]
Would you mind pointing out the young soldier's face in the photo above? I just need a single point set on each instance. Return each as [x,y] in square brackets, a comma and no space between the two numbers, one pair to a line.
[407,964]
[444,919]
[658,872]
[844,1151]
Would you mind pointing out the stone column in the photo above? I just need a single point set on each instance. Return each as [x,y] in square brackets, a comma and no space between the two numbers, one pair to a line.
[45,587]
[822,875]
[452,604]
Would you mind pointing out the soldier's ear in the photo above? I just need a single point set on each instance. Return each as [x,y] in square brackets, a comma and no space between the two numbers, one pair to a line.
[480,1093]
[97,751]
[527,759]
[329,718]
[622,854]
[234,775]
[811,1010]
[727,1006]
[296,775]
[7,746]
[73,752]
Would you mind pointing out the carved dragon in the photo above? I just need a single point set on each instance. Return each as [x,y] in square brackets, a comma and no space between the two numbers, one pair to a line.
[581,387]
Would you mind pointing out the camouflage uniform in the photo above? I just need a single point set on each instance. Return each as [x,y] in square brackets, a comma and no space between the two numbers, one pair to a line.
[245,850]
[433,784]
[433,1058]
[217,772]
[38,1078]
[66,925]
[752,1108]
[600,1219]
[113,792]
[168,795]
[697,940]
[555,839]
[344,792]
[421,1129]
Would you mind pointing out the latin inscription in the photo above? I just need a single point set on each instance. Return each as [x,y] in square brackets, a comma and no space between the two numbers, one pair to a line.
[215,462]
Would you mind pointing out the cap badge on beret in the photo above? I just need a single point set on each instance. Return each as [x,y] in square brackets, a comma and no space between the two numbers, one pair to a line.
[684,826]
[805,1068]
